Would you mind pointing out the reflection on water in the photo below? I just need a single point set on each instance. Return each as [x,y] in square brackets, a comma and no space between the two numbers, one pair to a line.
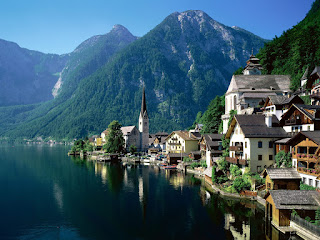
[48,195]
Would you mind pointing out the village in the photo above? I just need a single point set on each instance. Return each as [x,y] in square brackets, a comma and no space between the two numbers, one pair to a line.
[269,149]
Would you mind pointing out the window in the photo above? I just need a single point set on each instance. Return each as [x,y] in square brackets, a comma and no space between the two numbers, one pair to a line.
[310,182]
[259,144]
[308,128]
[245,145]
[317,184]
[270,157]
[304,180]
[260,157]
[270,144]
[269,185]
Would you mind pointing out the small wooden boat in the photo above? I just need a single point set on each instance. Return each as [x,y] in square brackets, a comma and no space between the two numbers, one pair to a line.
[170,167]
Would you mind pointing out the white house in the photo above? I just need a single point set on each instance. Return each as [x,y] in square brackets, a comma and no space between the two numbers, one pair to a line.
[252,140]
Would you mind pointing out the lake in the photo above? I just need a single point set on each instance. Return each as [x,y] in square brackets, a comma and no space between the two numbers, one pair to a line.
[49,195]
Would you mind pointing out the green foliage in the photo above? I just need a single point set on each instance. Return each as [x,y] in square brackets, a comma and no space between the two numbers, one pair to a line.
[308,219]
[222,179]
[203,163]
[294,213]
[235,171]
[283,159]
[132,149]
[306,100]
[223,164]
[306,187]
[241,183]
[295,49]
[258,179]
[78,146]
[214,176]
[115,140]
[187,159]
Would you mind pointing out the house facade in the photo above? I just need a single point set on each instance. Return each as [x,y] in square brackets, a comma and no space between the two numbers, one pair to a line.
[211,147]
[301,117]
[306,156]
[252,140]
[181,142]
[282,178]
[251,89]
[278,104]
[314,84]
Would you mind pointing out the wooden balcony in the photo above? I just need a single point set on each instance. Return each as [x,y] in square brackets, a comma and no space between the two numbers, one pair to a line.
[293,122]
[174,144]
[306,157]
[309,171]
[237,160]
[236,148]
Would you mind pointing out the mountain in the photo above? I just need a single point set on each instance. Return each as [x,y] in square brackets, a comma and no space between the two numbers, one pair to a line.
[27,76]
[184,62]
[296,49]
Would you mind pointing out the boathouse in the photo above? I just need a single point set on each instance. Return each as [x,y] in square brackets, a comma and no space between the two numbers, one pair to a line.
[282,178]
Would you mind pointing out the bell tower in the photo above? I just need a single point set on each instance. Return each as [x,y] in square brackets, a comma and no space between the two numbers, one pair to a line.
[144,124]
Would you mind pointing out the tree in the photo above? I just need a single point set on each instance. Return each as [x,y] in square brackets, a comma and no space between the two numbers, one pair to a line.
[115,140]
[214,177]
[132,149]
[235,171]
[317,221]
[283,159]
[241,183]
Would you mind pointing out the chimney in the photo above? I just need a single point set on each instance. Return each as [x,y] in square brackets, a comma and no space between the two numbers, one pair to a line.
[268,119]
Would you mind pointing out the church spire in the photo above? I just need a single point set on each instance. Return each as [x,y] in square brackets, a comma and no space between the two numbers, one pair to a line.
[143,104]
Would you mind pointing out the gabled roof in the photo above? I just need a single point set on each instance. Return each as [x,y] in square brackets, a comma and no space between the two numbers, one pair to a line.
[265,83]
[127,129]
[316,70]
[254,126]
[295,199]
[314,136]
[185,135]
[212,140]
[283,100]
[309,111]
[282,173]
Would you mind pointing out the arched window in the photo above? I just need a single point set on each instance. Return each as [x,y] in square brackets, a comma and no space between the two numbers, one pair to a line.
[234,102]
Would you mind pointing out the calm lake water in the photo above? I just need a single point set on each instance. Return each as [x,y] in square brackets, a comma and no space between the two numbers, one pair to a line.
[47,195]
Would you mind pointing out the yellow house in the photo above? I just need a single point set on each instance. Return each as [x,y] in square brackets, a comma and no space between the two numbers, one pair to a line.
[181,141]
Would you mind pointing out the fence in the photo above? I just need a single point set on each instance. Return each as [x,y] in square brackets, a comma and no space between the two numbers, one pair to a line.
[305,224]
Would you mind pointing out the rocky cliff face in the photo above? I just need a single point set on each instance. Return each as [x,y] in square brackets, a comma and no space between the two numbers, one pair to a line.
[27,76]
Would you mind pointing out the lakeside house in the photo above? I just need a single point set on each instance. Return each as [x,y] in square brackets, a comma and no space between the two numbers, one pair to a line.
[158,141]
[306,156]
[252,140]
[247,91]
[182,142]
[211,147]
[281,178]
[300,117]
[280,203]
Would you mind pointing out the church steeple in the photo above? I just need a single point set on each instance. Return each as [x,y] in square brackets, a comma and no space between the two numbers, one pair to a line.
[144,112]
[253,66]
[144,124]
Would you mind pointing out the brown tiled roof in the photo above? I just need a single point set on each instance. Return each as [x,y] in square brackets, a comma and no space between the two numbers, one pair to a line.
[127,129]
[212,140]
[314,136]
[184,135]
[296,199]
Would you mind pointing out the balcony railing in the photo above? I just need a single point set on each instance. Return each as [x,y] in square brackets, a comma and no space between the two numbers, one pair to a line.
[236,160]
[175,144]
[307,157]
[309,171]
[293,121]
[236,148]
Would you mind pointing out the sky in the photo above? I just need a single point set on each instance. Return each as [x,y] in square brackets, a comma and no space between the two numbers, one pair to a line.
[59,26]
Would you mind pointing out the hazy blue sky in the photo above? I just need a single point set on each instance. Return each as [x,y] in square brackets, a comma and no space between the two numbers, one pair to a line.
[58,26]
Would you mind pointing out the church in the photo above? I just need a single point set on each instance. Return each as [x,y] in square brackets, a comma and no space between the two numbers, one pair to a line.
[138,137]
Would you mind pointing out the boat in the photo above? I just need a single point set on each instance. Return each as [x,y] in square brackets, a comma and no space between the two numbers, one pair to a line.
[170,167]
